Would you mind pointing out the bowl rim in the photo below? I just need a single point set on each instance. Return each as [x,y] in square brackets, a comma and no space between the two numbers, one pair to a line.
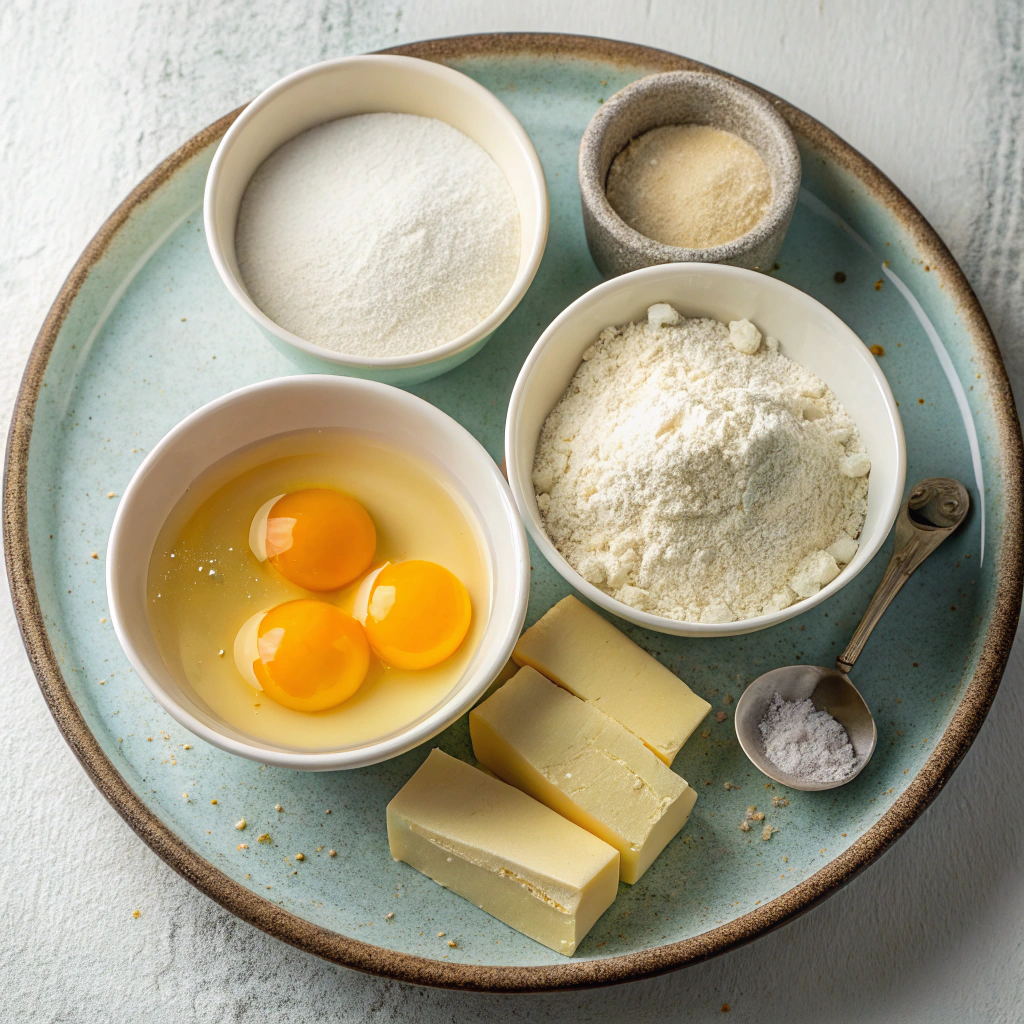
[775,218]
[496,109]
[661,623]
[446,712]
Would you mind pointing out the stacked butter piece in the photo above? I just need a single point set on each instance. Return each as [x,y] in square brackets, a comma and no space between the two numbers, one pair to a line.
[582,737]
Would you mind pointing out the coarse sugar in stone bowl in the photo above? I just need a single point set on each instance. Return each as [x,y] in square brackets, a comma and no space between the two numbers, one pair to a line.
[681,98]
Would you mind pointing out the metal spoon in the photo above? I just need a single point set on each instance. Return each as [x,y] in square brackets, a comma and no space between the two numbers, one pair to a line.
[931,512]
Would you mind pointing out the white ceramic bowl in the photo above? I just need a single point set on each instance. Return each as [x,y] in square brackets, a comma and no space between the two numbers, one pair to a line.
[808,333]
[270,409]
[364,85]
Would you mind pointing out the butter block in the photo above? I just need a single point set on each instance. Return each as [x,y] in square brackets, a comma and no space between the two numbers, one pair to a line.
[583,764]
[502,850]
[585,653]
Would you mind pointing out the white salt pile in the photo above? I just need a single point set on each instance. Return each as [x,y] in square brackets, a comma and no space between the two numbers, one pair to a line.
[806,743]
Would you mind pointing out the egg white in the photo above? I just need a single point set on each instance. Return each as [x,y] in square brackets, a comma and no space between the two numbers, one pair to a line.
[258,529]
[361,602]
[246,649]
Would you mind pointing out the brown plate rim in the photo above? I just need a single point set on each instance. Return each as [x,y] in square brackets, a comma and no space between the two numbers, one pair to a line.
[948,751]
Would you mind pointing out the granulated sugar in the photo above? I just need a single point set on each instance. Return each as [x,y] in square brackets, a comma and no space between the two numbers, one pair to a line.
[689,185]
[378,235]
[693,471]
[806,743]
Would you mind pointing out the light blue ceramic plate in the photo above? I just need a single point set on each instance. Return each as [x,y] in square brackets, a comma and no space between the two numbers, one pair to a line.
[143,333]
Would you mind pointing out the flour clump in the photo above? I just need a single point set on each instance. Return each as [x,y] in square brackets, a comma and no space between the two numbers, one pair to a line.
[692,470]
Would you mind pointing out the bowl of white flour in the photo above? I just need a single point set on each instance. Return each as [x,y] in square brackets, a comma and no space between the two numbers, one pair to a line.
[377,216]
[704,450]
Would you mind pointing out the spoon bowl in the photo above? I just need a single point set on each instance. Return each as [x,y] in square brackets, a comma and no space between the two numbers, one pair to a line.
[929,514]
[829,690]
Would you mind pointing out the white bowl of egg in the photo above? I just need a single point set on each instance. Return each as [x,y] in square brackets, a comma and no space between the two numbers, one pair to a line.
[377,216]
[317,572]
[727,456]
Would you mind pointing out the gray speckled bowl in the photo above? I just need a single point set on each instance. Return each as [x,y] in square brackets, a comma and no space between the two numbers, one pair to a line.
[685,97]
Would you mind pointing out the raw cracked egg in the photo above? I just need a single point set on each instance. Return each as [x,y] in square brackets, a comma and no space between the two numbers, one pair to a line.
[345,512]
[318,538]
[306,655]
[416,613]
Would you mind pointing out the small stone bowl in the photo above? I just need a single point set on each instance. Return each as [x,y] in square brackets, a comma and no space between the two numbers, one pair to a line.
[685,97]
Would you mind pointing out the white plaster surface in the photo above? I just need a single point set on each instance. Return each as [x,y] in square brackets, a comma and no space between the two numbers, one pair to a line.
[93,93]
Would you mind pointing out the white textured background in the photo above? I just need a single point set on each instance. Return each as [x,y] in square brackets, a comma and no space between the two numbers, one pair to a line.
[93,94]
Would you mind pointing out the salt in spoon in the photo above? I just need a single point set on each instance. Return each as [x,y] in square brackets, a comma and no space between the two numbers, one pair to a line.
[931,512]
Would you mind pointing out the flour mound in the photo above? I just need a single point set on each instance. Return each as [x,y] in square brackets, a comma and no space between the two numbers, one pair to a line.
[691,477]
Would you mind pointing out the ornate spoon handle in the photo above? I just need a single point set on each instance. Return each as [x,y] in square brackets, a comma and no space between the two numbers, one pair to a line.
[931,512]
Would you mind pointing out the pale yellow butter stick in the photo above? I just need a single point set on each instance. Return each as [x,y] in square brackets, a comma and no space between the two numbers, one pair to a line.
[503,851]
[578,649]
[583,764]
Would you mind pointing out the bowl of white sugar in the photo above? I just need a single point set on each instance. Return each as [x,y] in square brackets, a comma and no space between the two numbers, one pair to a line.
[704,450]
[377,216]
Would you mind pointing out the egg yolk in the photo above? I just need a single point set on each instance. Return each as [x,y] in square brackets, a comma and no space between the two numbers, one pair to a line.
[418,614]
[310,655]
[320,539]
